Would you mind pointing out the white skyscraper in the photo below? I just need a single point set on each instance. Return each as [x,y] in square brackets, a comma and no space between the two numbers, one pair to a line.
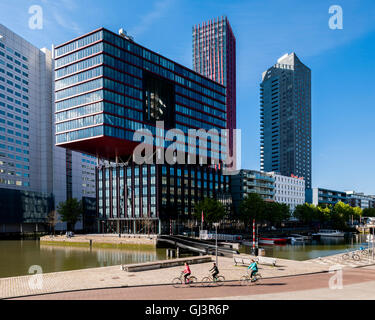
[33,172]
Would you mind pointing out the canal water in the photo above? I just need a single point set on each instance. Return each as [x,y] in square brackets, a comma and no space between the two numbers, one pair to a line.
[313,249]
[17,256]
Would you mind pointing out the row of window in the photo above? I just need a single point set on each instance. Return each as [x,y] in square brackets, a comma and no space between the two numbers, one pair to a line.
[79,134]
[79,43]
[199,88]
[87,63]
[15,182]
[17,62]
[83,76]
[12,124]
[84,87]
[96,48]
[79,123]
[16,133]
[25,74]
[78,112]
[76,101]
[199,106]
[200,98]
[196,114]
[9,74]
[16,85]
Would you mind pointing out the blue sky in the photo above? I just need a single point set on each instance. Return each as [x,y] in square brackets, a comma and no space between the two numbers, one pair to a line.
[342,63]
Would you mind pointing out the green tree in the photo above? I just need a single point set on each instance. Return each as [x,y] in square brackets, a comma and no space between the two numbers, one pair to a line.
[341,214]
[70,212]
[323,214]
[306,213]
[213,210]
[275,212]
[252,207]
[368,212]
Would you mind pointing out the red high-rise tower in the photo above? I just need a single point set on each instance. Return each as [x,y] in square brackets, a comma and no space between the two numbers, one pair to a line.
[214,56]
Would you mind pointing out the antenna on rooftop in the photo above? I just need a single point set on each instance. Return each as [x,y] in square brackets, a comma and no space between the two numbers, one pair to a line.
[124,34]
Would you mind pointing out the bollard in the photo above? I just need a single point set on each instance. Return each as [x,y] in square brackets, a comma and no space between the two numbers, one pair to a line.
[178,252]
[167,253]
[90,243]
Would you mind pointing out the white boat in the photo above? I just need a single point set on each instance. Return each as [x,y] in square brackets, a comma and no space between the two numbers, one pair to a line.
[305,238]
[297,240]
[330,233]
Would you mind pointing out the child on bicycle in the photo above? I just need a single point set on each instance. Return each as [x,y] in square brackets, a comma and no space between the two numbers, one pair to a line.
[253,267]
[215,271]
[187,271]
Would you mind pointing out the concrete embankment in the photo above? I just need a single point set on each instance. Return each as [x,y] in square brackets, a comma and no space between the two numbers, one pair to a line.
[103,241]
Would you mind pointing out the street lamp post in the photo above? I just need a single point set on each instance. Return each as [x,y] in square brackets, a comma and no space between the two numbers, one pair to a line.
[216,224]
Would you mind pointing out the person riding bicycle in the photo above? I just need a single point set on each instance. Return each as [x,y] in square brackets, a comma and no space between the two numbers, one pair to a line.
[187,271]
[253,267]
[215,271]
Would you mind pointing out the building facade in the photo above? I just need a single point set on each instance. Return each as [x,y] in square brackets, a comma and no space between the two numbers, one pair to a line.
[109,88]
[214,56]
[32,169]
[251,181]
[325,197]
[359,199]
[289,190]
[149,198]
[285,124]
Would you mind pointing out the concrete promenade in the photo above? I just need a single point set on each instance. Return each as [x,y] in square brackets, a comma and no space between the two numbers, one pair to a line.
[114,276]
[102,240]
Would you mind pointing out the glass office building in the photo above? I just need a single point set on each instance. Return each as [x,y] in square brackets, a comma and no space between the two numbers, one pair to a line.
[106,88]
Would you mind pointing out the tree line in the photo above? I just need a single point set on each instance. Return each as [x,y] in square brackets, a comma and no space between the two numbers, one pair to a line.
[253,206]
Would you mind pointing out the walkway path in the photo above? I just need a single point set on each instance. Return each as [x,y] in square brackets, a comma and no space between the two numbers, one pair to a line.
[114,276]
[357,284]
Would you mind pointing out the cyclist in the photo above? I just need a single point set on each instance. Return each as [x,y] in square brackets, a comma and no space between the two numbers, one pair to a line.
[215,271]
[254,268]
[187,271]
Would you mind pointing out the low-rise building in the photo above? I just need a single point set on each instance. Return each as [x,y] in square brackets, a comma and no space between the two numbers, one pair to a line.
[325,197]
[251,181]
[289,190]
[357,199]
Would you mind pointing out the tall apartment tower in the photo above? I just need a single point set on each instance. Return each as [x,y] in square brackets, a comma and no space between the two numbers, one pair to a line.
[285,113]
[33,175]
[214,56]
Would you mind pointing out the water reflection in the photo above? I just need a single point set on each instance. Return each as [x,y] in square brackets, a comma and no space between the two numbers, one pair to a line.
[17,256]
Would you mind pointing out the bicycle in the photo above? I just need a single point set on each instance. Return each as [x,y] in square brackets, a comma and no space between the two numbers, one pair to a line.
[179,281]
[219,280]
[247,280]
[351,255]
[363,251]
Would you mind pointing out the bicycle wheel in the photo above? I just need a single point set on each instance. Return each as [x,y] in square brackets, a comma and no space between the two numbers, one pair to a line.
[245,281]
[364,252]
[220,280]
[345,256]
[257,278]
[177,283]
[192,281]
[206,281]
[356,257]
